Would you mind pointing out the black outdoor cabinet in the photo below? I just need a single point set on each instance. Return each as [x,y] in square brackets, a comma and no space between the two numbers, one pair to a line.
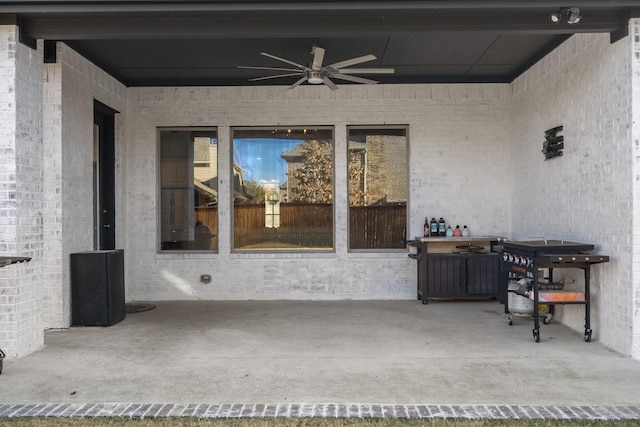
[452,267]
[97,288]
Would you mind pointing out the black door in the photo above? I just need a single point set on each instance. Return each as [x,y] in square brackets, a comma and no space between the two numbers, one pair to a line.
[104,177]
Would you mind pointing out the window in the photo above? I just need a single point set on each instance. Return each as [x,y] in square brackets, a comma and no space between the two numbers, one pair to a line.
[378,187]
[189,189]
[282,189]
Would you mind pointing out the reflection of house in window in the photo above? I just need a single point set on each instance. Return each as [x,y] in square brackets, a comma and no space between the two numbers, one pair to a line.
[240,195]
[377,170]
[205,161]
[205,171]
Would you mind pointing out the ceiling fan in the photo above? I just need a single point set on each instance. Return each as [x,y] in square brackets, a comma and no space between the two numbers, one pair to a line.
[317,74]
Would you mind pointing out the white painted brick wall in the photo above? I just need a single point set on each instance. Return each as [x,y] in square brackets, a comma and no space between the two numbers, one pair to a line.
[586,195]
[71,85]
[21,195]
[635,130]
[458,138]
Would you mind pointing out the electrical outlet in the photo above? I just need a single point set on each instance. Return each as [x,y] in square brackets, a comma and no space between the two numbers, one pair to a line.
[205,278]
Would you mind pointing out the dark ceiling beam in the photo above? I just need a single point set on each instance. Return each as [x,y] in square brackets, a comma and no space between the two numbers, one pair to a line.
[334,26]
[80,6]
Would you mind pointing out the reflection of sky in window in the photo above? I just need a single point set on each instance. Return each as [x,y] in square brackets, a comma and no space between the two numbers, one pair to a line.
[260,158]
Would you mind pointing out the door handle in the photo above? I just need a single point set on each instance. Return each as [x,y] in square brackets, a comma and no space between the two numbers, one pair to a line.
[107,226]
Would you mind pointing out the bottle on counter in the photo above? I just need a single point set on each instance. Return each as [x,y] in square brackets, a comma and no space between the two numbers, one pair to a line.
[426,229]
[433,227]
[465,231]
[442,229]
[457,232]
[449,232]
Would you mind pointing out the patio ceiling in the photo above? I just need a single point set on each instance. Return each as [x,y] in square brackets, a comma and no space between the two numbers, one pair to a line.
[192,43]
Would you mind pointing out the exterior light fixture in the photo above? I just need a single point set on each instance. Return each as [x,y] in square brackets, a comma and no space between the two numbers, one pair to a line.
[572,15]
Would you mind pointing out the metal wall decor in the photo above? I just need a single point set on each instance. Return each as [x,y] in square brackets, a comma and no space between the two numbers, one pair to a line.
[553,143]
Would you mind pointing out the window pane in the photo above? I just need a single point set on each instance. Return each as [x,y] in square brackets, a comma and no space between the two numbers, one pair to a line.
[378,188]
[189,189]
[283,189]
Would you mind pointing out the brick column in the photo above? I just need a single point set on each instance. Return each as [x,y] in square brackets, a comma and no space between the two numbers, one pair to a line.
[634,31]
[21,194]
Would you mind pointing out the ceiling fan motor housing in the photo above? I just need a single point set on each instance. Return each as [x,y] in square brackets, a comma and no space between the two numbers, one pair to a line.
[315,77]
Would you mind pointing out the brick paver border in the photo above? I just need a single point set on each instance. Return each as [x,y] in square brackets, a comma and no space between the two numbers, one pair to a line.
[329,410]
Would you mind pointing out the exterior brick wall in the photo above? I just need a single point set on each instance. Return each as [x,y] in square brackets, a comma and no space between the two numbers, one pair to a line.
[458,137]
[635,131]
[71,85]
[585,195]
[21,195]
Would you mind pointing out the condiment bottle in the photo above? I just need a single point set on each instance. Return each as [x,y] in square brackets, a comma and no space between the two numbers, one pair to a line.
[457,232]
[426,226]
[449,232]
[442,230]
[433,227]
[465,231]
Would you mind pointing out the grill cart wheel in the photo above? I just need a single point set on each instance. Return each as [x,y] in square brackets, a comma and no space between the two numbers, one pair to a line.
[587,335]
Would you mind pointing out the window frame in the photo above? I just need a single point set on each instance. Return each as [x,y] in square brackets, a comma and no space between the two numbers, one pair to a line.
[159,188]
[274,129]
[374,127]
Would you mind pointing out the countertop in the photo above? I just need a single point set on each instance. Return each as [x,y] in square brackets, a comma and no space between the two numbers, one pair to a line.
[457,239]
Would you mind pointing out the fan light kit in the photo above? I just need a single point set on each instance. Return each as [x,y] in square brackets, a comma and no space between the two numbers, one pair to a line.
[315,78]
[317,74]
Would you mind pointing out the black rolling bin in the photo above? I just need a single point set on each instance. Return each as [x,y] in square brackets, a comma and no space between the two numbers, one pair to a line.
[97,288]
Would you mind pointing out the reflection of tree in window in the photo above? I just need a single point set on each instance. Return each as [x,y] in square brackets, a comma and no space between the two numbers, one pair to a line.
[311,179]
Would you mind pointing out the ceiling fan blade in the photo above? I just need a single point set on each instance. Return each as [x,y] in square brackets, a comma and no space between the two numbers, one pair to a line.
[302,80]
[329,83]
[284,60]
[366,70]
[353,61]
[273,77]
[248,67]
[355,79]
[318,57]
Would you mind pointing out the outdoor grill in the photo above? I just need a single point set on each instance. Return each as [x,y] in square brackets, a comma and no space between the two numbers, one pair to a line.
[525,258]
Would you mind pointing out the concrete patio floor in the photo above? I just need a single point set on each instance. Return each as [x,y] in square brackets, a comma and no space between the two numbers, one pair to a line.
[267,352]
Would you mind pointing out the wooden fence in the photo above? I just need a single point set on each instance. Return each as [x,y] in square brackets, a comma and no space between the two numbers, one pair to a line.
[375,227]
[310,226]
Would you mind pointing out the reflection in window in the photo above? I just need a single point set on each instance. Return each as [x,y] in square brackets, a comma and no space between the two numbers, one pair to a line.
[189,189]
[378,188]
[283,189]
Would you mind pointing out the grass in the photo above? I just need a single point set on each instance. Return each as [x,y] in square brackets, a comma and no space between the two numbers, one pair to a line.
[304,422]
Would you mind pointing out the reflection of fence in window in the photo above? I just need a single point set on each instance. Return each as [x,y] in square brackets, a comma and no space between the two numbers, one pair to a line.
[375,227]
[302,226]
[208,216]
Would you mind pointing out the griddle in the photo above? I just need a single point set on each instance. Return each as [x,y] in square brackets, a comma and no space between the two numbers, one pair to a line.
[547,246]
[524,258]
